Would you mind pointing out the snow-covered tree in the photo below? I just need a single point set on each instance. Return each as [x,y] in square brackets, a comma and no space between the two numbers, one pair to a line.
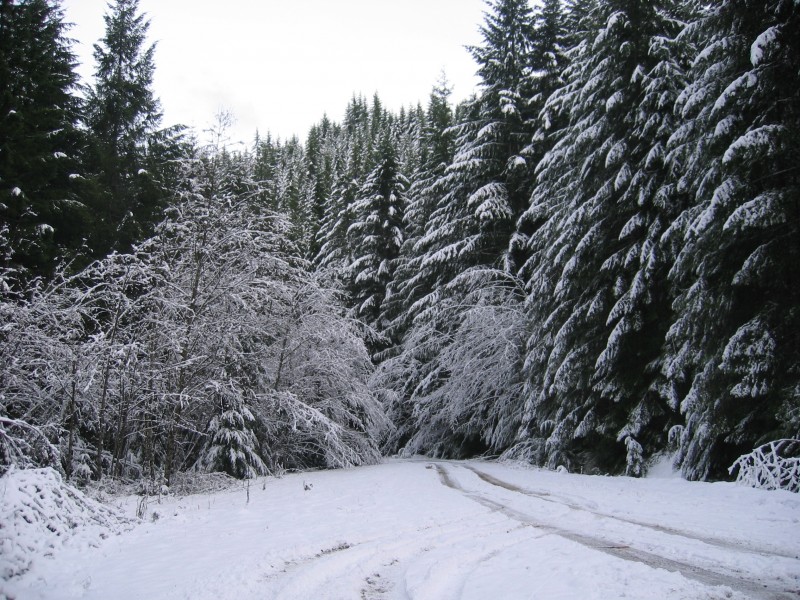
[375,237]
[411,281]
[232,446]
[732,352]
[461,383]
[225,315]
[466,208]
[39,138]
[596,268]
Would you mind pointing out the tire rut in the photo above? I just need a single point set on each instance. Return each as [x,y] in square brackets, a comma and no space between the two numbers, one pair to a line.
[755,589]
[712,541]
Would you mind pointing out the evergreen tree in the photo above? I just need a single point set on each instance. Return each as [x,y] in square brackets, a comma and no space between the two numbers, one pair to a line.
[490,148]
[123,118]
[39,140]
[350,164]
[733,351]
[232,445]
[412,281]
[376,236]
[597,270]
[548,60]
[320,159]
[485,187]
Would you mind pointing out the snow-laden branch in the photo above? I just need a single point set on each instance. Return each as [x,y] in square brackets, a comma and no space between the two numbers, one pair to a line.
[773,466]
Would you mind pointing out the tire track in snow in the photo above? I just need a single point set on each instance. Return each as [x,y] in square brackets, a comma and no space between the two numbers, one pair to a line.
[755,589]
[712,541]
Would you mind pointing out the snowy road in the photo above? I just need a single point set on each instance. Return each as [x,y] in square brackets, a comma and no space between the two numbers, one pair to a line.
[432,530]
[732,567]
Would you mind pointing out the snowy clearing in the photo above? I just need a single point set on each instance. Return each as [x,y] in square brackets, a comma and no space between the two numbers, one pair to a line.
[427,529]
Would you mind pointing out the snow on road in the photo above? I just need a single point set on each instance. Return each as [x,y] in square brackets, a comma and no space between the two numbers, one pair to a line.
[431,530]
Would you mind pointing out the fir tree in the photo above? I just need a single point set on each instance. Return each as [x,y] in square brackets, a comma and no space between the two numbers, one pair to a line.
[412,281]
[733,351]
[596,272]
[39,139]
[376,236]
[548,60]
[232,445]
[123,117]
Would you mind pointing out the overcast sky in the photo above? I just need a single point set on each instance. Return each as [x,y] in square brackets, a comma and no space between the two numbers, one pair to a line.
[279,65]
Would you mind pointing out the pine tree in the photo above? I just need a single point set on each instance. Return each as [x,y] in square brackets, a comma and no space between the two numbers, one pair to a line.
[485,187]
[320,159]
[39,139]
[376,236]
[548,60]
[412,280]
[733,350]
[491,150]
[596,272]
[123,118]
[232,445]
[351,157]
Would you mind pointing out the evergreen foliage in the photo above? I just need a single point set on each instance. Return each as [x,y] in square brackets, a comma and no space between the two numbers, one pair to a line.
[592,261]
[597,271]
[128,154]
[376,236]
[40,142]
[732,354]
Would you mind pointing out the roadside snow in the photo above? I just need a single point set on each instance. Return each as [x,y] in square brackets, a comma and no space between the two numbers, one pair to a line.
[435,530]
[39,515]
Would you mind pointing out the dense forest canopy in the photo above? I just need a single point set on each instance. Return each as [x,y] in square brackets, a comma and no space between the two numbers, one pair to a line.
[592,262]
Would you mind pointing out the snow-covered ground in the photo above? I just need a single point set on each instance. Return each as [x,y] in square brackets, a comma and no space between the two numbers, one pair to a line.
[434,530]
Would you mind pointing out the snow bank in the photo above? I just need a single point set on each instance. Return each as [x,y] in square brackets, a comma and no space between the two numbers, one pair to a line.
[40,513]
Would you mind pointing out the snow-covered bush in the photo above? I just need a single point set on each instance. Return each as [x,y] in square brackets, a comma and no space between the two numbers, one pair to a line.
[253,365]
[40,513]
[772,466]
[24,445]
[210,344]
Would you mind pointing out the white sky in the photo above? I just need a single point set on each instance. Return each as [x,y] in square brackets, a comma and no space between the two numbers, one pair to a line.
[279,65]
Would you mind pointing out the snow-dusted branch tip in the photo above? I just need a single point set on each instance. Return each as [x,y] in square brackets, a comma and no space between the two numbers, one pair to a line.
[773,466]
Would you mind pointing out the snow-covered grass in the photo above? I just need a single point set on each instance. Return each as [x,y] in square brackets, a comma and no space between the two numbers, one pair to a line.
[434,530]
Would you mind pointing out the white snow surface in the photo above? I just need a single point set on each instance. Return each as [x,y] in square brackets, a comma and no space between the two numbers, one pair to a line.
[432,530]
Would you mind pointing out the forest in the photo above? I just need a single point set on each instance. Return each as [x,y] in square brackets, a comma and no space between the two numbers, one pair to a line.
[592,262]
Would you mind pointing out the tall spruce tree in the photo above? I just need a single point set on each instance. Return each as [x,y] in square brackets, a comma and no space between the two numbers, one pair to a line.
[39,139]
[484,188]
[350,163]
[412,281]
[376,236]
[123,117]
[548,60]
[596,272]
[733,351]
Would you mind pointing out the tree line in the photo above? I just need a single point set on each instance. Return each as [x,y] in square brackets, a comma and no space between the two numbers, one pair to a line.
[157,313]
[594,260]
[590,262]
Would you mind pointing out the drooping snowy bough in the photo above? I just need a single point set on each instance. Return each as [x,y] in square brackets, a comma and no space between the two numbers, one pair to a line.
[772,466]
